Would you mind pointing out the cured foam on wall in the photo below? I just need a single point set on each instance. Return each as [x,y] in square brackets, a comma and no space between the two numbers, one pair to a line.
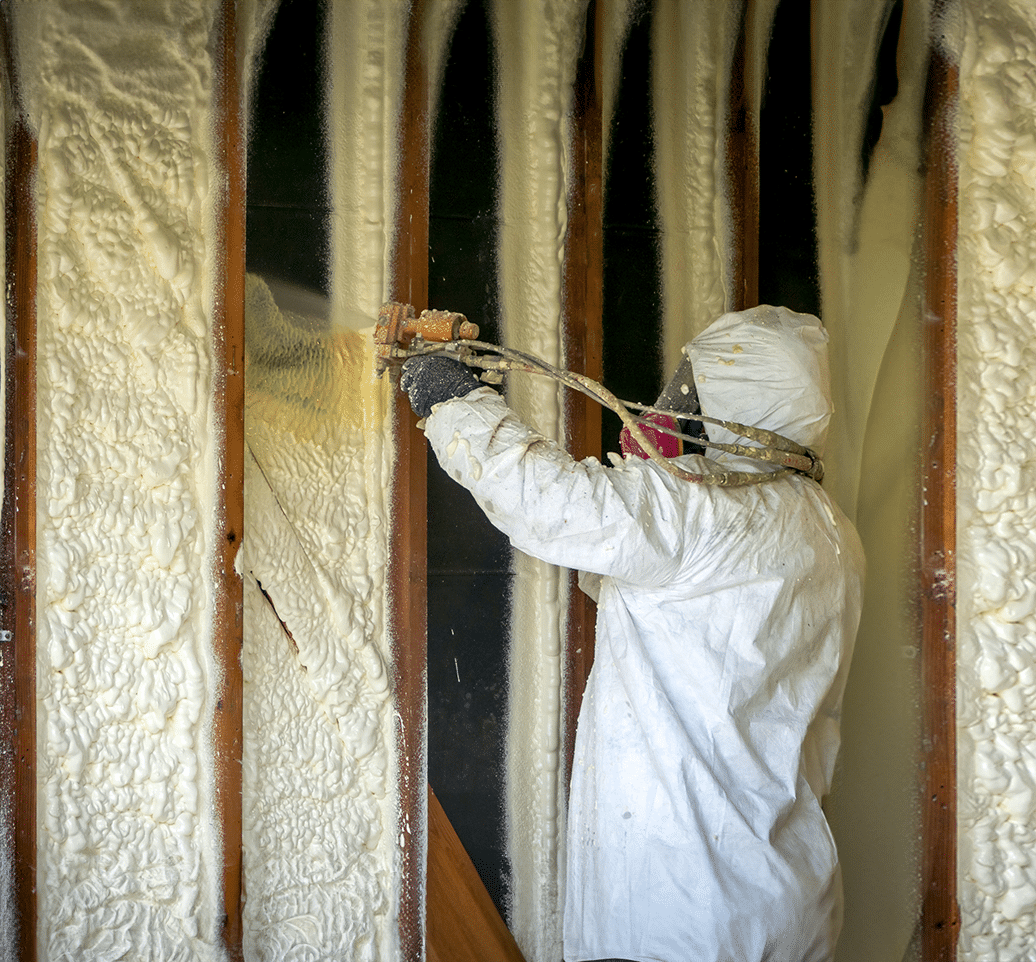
[322,834]
[128,855]
[692,46]
[365,85]
[996,691]
[538,46]
[319,768]
[870,292]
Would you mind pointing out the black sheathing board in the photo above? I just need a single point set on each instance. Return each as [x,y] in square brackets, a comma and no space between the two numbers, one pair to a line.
[288,196]
[788,271]
[469,561]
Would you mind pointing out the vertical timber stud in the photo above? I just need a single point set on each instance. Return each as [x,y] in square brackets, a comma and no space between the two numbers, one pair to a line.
[940,917]
[583,285]
[743,167]
[228,391]
[408,566]
[18,519]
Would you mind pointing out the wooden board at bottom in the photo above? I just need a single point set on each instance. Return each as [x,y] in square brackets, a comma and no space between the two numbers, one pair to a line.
[463,923]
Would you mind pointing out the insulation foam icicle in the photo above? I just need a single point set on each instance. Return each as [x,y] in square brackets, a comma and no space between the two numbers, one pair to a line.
[254,18]
[440,20]
[615,29]
[996,694]
[128,855]
[365,93]
[692,44]
[538,45]
[870,306]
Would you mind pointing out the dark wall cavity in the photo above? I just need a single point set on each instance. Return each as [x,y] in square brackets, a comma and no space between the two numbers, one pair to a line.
[469,561]
[788,273]
[288,201]
[632,313]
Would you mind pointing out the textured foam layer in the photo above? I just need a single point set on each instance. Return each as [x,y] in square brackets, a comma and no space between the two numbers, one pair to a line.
[996,700]
[319,771]
[129,859]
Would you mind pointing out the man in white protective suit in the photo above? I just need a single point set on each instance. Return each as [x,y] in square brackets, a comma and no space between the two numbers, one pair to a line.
[726,618]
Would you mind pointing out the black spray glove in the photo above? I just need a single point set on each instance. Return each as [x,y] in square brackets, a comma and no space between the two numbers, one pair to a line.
[432,378]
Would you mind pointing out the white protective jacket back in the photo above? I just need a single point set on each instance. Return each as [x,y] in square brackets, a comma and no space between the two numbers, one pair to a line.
[726,616]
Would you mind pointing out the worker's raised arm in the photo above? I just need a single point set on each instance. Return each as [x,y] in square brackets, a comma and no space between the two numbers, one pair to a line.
[622,522]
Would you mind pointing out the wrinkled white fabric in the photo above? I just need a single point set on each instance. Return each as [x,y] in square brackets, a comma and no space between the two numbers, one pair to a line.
[709,726]
[766,367]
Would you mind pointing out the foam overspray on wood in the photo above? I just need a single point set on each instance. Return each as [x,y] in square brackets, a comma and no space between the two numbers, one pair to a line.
[692,46]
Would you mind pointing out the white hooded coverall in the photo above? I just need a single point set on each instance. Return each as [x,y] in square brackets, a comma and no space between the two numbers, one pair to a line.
[726,616]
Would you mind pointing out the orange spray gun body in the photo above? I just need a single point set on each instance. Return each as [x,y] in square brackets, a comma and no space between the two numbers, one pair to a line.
[398,326]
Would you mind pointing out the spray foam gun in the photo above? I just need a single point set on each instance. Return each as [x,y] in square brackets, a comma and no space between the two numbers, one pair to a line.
[400,334]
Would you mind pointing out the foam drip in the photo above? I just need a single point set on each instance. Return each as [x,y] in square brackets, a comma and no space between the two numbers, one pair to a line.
[365,85]
[996,509]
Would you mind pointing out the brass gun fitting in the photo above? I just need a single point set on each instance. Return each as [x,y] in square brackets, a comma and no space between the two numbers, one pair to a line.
[397,326]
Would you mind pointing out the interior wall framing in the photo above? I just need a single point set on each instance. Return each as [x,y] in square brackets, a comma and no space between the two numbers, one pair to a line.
[940,916]
[584,282]
[408,577]
[229,399]
[18,522]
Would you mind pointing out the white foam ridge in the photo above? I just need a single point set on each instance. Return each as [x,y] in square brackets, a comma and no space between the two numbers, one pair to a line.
[128,856]
[996,693]
[538,46]
[692,47]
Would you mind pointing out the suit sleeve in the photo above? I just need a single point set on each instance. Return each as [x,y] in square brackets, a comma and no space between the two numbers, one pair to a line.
[626,522]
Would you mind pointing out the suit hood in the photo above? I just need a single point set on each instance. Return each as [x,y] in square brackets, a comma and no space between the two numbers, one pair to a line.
[766,367]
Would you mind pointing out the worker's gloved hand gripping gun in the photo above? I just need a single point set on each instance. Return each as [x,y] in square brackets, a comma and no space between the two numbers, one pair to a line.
[442,336]
[432,378]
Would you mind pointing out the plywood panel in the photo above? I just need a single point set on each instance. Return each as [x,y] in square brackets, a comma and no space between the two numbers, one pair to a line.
[463,923]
